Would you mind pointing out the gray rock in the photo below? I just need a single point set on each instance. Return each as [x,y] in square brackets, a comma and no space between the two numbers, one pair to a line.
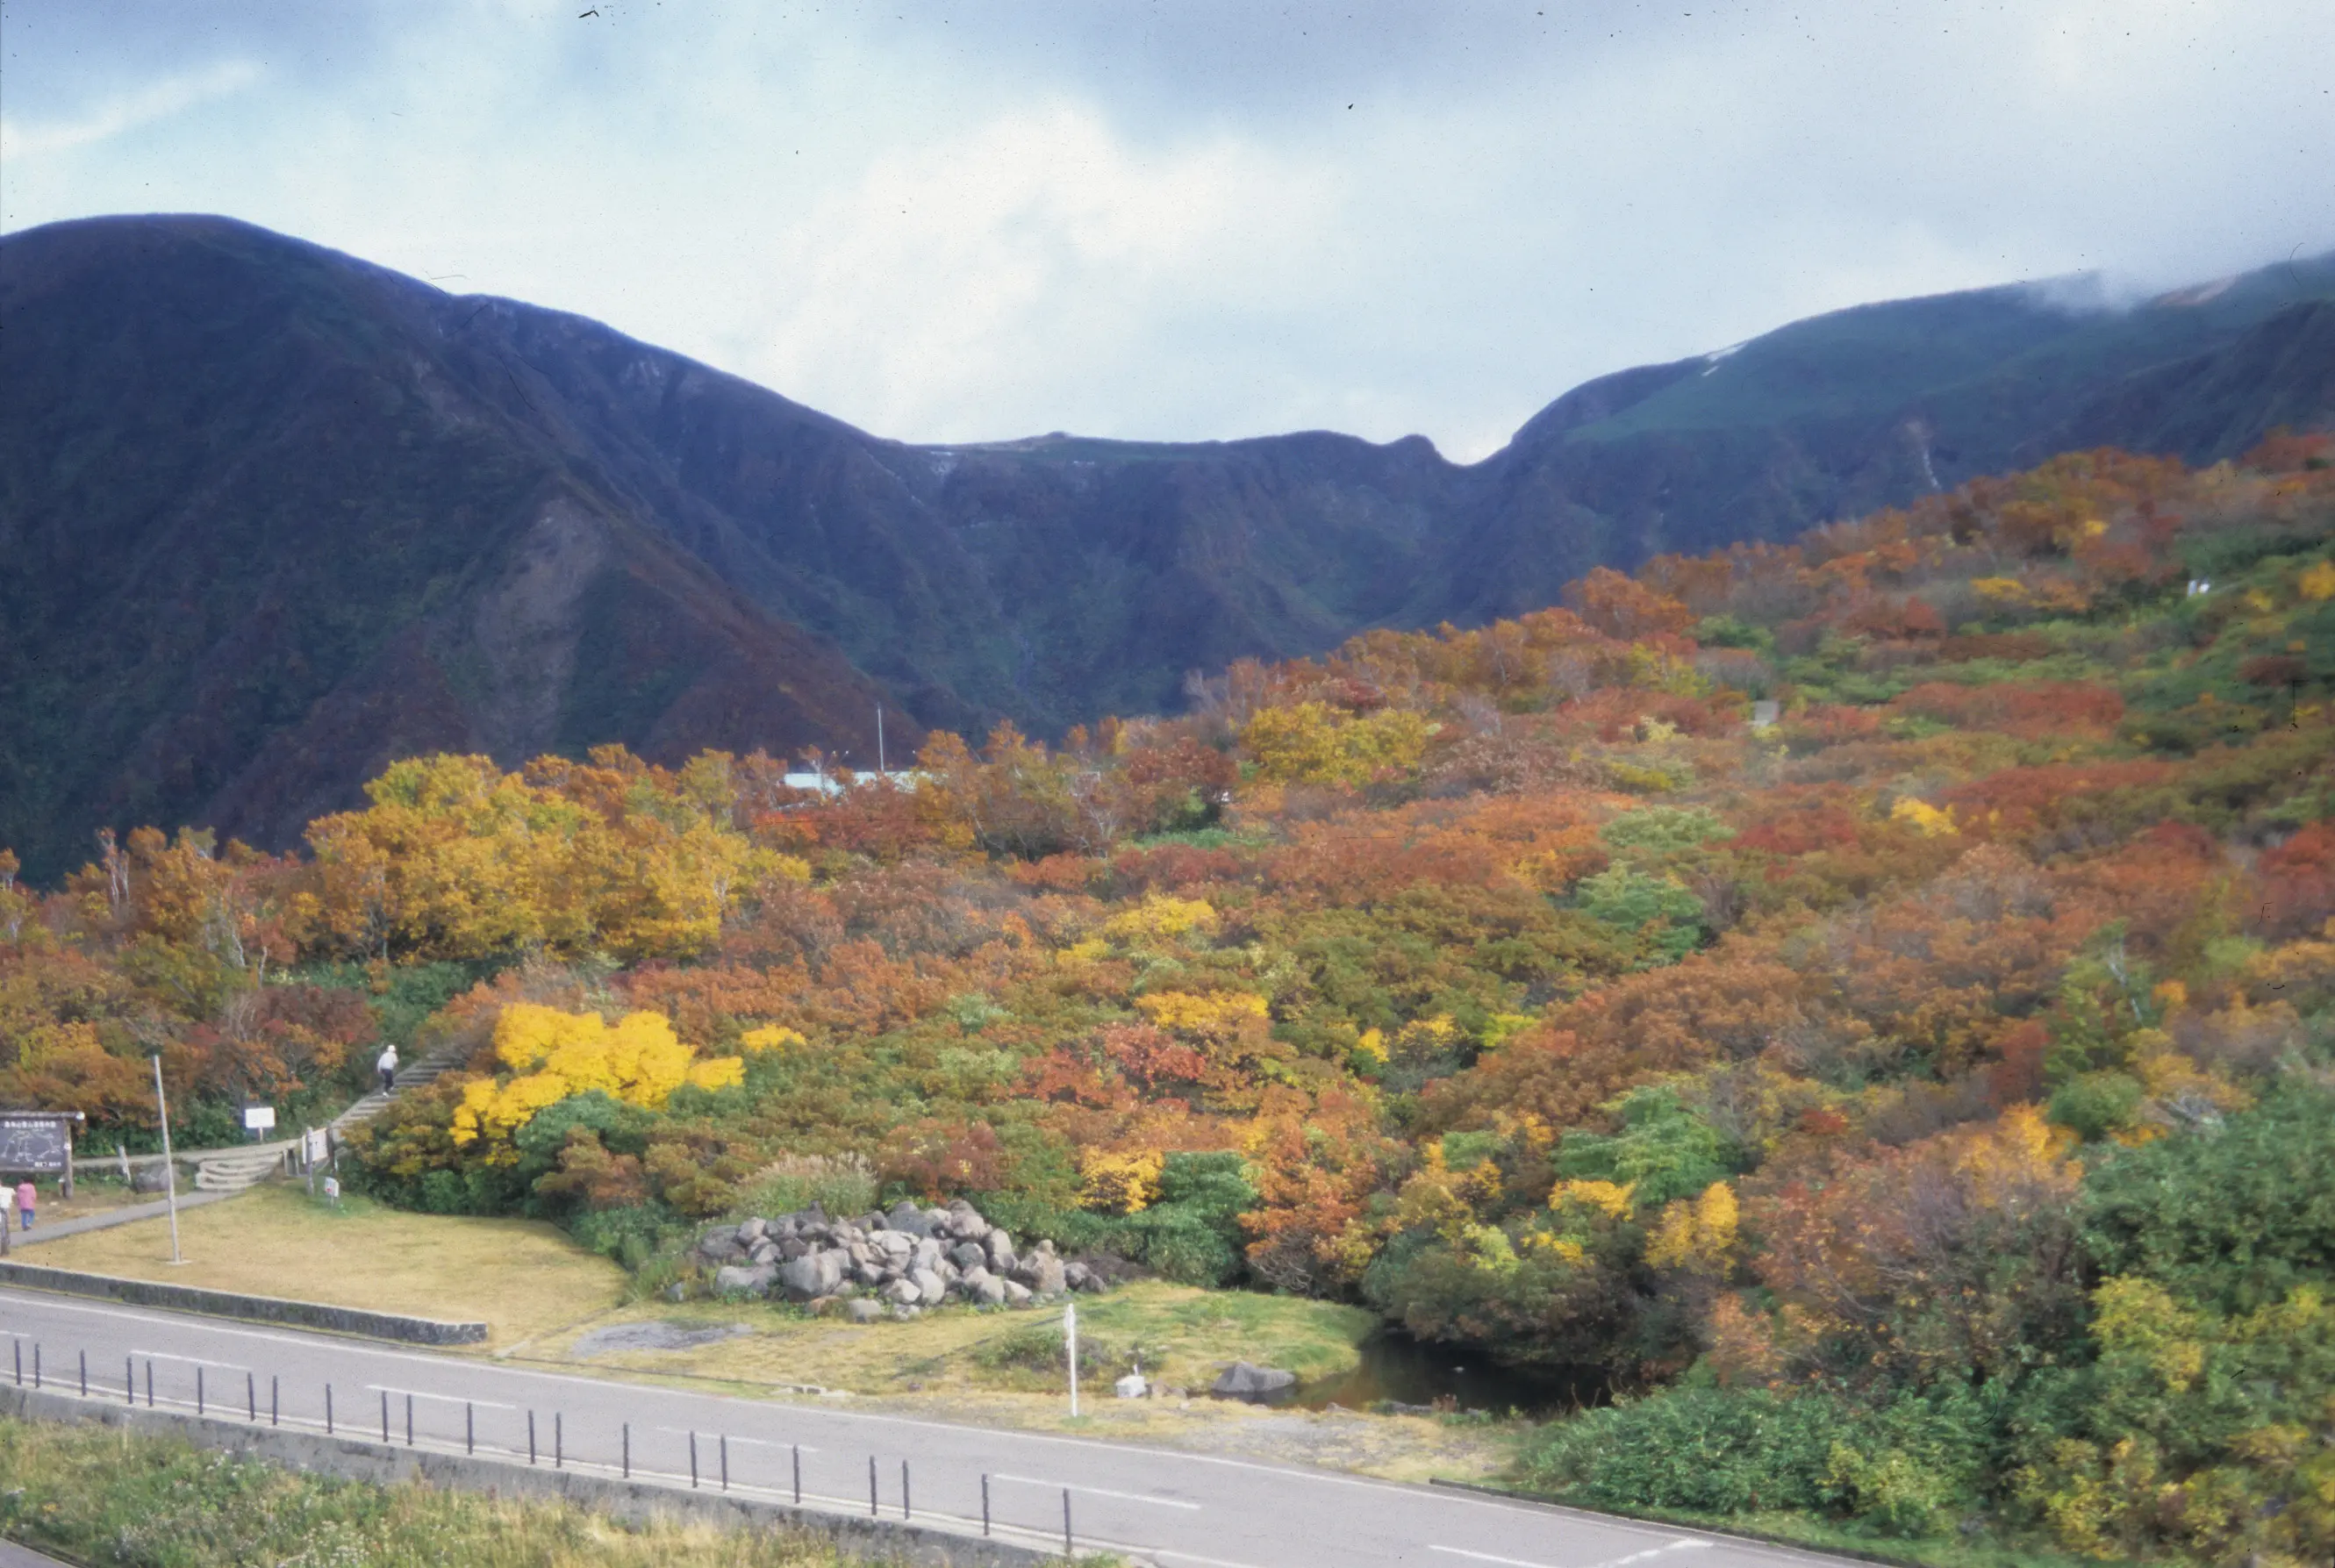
[732,1280]
[752,1230]
[868,1274]
[154,1178]
[1044,1275]
[930,1287]
[793,1247]
[936,1222]
[926,1255]
[1094,1284]
[903,1294]
[764,1252]
[981,1285]
[893,1244]
[860,1310]
[1017,1294]
[999,1244]
[909,1218]
[1252,1385]
[1075,1275]
[969,1255]
[812,1276]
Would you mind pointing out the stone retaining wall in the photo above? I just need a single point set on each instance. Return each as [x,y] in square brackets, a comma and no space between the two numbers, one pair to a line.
[884,1540]
[253,1309]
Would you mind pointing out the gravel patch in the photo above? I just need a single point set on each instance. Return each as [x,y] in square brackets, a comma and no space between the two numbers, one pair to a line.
[665,1336]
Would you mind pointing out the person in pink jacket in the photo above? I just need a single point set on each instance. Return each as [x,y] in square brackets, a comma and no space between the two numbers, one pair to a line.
[26,1196]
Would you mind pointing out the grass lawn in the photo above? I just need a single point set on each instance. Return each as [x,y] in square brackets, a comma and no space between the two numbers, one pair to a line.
[1183,1335]
[1005,1370]
[520,1277]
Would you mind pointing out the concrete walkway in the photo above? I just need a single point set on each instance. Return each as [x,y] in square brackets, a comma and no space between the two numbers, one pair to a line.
[127,1213]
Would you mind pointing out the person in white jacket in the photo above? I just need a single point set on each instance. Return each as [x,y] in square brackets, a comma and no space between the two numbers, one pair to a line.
[387,1066]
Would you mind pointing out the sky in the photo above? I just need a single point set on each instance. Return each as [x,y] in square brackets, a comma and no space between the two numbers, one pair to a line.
[1199,220]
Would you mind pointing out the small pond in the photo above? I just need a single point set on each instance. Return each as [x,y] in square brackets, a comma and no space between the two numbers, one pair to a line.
[1408,1371]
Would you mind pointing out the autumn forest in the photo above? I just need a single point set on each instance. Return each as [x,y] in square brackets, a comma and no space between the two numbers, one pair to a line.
[1869,1000]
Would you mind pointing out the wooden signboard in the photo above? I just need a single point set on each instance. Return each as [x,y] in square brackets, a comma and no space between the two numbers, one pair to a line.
[38,1143]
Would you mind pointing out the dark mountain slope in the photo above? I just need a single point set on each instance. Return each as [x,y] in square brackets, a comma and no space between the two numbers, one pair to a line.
[258,536]
[269,516]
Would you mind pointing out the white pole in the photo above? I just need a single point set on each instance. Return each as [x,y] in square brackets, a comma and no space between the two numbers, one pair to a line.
[170,1166]
[880,769]
[1070,1339]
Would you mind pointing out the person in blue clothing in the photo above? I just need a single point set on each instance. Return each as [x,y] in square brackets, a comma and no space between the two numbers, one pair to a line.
[27,1194]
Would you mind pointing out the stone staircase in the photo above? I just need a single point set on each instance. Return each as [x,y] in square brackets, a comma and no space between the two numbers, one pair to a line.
[232,1170]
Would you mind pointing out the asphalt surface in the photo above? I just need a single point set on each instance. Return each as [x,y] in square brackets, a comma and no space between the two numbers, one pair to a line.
[1157,1506]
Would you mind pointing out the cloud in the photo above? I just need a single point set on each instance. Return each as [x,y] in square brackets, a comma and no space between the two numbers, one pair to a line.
[1209,218]
[123,111]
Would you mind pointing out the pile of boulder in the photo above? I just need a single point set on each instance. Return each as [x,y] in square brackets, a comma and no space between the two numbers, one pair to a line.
[906,1259]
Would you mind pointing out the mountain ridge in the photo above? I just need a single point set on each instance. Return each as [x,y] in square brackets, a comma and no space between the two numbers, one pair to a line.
[269,511]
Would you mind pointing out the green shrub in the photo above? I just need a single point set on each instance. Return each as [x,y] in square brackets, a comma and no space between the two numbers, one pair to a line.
[1902,1469]
[2232,1218]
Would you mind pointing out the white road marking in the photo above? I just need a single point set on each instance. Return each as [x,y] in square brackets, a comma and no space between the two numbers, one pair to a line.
[191,1361]
[441,1398]
[1098,1492]
[1191,1557]
[1487,1557]
[1681,1545]
[712,1436]
[1684,1543]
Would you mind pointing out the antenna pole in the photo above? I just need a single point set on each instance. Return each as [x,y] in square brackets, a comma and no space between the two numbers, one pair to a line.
[879,741]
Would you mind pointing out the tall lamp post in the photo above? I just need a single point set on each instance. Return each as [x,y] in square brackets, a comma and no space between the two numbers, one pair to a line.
[170,1166]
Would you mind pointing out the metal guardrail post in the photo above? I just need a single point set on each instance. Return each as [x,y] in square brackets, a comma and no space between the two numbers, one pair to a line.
[385,1417]
[798,1475]
[628,1450]
[274,1404]
[692,1461]
[1067,1552]
[984,1505]
[409,1420]
[469,1427]
[84,1374]
[871,1486]
[530,1436]
[328,1403]
[558,1441]
[903,1489]
[251,1397]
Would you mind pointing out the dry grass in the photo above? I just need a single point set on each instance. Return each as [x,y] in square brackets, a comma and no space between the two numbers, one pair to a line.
[520,1277]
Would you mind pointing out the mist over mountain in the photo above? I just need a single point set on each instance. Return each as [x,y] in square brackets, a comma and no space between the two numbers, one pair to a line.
[270,516]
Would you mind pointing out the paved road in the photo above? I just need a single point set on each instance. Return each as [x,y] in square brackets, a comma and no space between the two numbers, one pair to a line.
[14,1556]
[1168,1509]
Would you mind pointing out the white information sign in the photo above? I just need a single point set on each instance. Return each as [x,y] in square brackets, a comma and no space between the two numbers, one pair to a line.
[258,1119]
